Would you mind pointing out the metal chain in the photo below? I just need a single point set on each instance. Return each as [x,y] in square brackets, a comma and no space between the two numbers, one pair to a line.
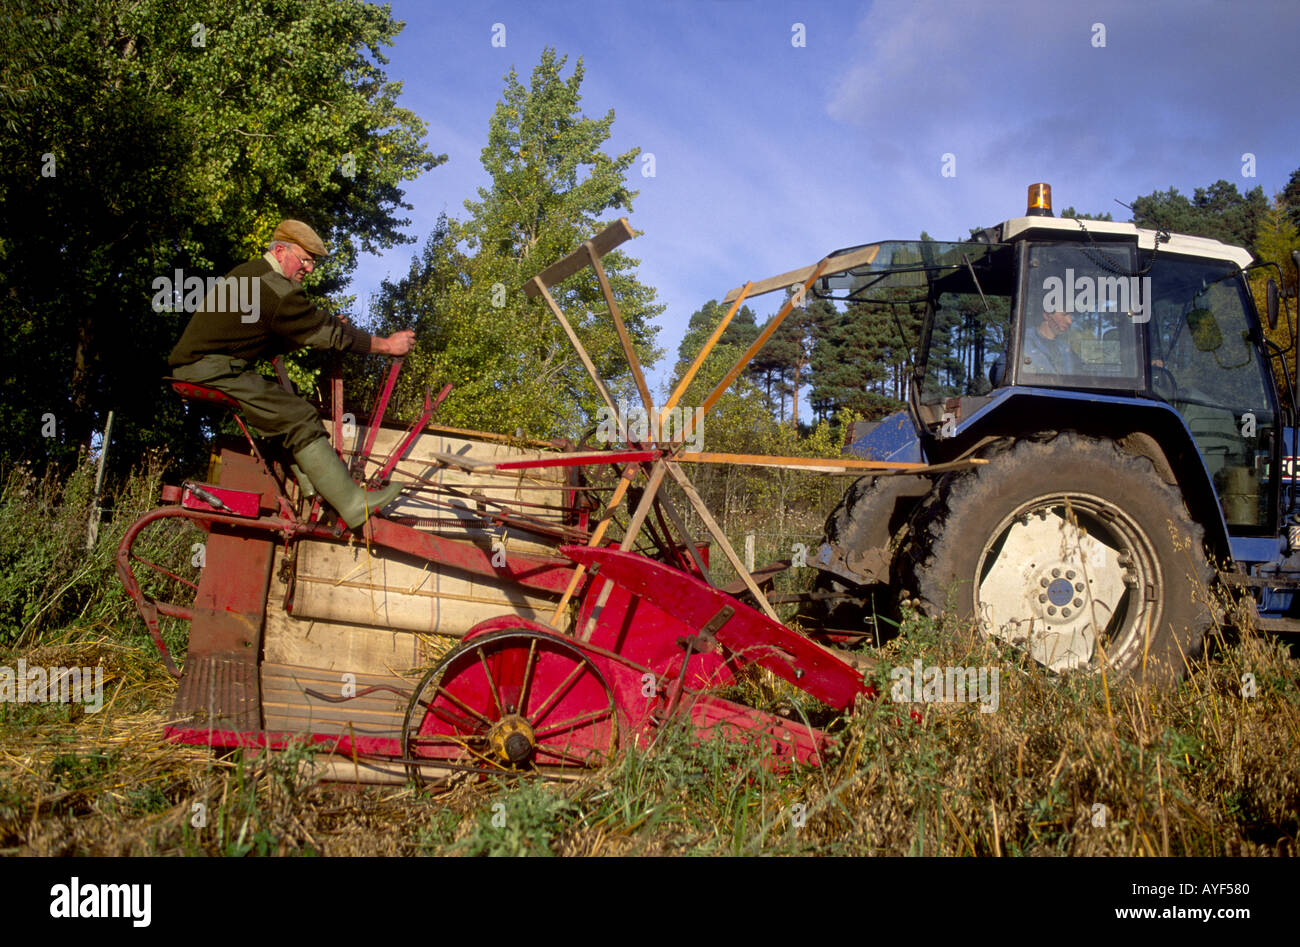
[1162,236]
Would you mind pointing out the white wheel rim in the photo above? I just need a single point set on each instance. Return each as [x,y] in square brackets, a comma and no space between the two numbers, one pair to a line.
[1070,580]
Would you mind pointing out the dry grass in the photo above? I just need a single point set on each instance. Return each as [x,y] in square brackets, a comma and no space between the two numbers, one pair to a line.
[1198,770]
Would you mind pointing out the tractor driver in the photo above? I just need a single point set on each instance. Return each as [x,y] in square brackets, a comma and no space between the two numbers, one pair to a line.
[1045,350]
[220,347]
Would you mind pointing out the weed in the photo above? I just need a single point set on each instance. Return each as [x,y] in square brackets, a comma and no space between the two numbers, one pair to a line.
[529,819]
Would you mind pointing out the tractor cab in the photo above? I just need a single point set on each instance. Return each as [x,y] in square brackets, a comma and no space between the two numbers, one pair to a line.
[1069,323]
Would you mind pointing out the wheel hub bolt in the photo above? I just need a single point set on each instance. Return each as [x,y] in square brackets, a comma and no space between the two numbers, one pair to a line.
[512,739]
[1056,573]
[1043,582]
[1078,586]
[1065,613]
[1051,609]
[1042,598]
[518,747]
[1077,603]
[1070,574]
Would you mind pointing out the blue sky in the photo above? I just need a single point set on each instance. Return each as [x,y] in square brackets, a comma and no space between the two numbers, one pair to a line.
[768,155]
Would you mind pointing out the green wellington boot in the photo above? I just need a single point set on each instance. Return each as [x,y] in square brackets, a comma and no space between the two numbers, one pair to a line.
[336,485]
[305,486]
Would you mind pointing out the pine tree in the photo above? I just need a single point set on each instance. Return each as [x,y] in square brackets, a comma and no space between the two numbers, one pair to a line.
[553,187]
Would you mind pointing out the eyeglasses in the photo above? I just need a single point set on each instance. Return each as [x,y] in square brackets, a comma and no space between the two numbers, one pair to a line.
[308,264]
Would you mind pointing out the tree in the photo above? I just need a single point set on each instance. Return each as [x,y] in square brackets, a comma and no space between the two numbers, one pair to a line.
[552,187]
[1278,236]
[1291,197]
[795,340]
[1071,212]
[1219,212]
[739,335]
[860,361]
[142,137]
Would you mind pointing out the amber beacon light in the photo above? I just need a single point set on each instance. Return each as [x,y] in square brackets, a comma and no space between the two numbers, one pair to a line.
[1040,201]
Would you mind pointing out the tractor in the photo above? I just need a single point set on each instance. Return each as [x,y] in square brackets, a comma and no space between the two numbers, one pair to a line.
[1133,436]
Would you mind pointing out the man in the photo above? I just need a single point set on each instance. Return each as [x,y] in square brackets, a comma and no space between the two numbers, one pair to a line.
[1045,351]
[221,344]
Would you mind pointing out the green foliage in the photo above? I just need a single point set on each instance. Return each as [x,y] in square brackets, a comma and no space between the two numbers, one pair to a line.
[1218,211]
[49,580]
[1291,197]
[739,334]
[178,134]
[1071,212]
[255,812]
[72,771]
[552,189]
[1278,236]
[528,820]
[860,362]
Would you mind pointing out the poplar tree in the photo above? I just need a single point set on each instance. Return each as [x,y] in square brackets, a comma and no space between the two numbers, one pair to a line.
[552,188]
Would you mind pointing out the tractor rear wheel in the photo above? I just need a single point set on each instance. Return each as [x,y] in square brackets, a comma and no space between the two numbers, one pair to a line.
[1071,549]
[855,599]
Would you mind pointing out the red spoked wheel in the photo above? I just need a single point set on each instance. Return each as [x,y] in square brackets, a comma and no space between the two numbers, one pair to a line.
[512,701]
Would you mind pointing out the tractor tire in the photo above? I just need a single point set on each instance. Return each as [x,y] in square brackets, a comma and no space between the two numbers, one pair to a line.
[859,535]
[1070,548]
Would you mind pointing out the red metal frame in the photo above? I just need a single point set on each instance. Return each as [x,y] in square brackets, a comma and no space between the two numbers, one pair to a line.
[652,634]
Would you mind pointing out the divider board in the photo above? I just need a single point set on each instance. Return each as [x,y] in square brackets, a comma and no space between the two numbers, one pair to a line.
[333,646]
[382,588]
[287,707]
[463,520]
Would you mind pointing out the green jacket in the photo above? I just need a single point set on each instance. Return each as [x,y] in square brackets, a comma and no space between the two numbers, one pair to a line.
[285,320]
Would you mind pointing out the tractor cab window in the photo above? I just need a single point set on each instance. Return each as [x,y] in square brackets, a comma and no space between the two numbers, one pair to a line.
[934,313]
[1206,365]
[1081,317]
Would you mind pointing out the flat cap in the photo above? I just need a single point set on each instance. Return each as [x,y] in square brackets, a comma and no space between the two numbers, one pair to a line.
[295,231]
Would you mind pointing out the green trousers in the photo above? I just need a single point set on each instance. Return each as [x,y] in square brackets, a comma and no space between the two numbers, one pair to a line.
[266,405]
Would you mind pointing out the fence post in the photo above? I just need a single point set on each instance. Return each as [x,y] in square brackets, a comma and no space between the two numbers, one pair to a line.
[92,529]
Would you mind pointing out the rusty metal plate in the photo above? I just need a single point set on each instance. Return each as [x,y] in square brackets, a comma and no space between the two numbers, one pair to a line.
[220,692]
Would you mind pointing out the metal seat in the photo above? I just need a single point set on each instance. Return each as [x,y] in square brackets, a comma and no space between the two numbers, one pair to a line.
[202,394]
[191,391]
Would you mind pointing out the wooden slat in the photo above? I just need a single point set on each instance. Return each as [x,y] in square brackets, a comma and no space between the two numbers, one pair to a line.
[288,707]
[383,589]
[597,535]
[459,467]
[702,355]
[643,508]
[570,458]
[719,537]
[616,233]
[579,348]
[829,465]
[835,265]
[624,338]
[330,646]
[820,464]
[772,325]
[471,434]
